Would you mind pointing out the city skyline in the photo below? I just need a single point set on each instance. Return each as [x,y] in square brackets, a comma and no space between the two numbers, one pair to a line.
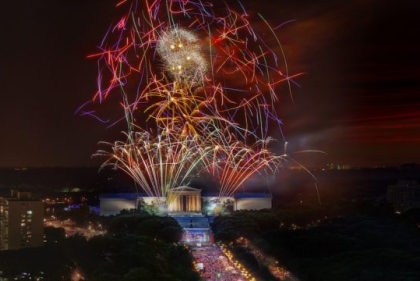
[356,99]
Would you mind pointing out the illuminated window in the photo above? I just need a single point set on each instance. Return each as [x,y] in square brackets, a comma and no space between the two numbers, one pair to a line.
[29,212]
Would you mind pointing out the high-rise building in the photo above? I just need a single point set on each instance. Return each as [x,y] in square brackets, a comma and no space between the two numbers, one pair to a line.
[21,221]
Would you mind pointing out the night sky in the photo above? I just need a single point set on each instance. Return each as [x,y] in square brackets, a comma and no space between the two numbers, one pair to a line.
[358,98]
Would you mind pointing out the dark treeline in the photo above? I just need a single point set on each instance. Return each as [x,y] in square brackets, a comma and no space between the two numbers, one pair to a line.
[370,243]
[338,185]
[136,247]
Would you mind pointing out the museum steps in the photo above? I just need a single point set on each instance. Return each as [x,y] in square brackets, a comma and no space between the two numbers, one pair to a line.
[187,221]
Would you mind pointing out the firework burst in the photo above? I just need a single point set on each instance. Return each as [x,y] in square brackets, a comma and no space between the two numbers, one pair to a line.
[156,164]
[181,52]
[202,82]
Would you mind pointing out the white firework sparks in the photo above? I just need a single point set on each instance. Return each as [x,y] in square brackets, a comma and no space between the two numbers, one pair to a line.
[181,52]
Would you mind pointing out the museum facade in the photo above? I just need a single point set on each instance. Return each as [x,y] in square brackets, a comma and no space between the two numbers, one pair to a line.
[184,199]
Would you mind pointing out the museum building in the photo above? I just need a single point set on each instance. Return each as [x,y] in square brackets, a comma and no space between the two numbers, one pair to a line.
[184,199]
[190,207]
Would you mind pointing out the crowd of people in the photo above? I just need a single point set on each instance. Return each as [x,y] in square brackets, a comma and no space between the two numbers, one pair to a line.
[214,265]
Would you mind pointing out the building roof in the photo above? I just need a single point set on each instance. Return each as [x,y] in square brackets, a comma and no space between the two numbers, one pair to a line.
[185,188]
[252,195]
[204,194]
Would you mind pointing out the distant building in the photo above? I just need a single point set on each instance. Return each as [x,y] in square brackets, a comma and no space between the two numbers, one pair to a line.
[21,221]
[113,203]
[252,201]
[404,195]
[332,166]
[185,200]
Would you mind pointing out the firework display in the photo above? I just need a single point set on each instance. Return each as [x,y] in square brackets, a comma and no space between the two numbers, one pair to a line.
[196,86]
